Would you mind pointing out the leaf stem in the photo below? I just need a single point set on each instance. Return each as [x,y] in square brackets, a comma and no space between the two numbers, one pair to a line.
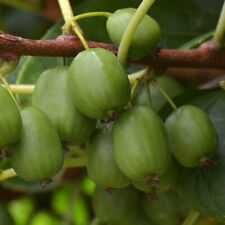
[167,97]
[9,89]
[219,36]
[131,28]
[91,14]
[21,4]
[6,174]
[191,218]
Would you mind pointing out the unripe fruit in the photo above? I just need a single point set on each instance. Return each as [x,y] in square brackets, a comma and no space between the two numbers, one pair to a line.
[146,36]
[166,181]
[168,84]
[98,83]
[191,135]
[168,209]
[115,208]
[38,154]
[101,166]
[52,96]
[141,148]
[10,119]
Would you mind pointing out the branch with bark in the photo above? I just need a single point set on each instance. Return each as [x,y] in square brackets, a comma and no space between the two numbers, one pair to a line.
[208,55]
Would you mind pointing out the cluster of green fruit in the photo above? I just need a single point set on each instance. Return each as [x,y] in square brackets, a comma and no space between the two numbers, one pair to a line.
[129,144]
[129,206]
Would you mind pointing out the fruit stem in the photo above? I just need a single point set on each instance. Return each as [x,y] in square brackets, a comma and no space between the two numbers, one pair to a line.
[6,174]
[166,96]
[131,28]
[67,12]
[133,77]
[137,82]
[219,36]
[148,93]
[222,84]
[23,89]
[76,150]
[191,218]
[91,14]
[32,6]
[75,162]
[9,89]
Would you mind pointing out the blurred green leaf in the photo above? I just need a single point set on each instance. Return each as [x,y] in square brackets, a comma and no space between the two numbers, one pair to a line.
[88,186]
[21,210]
[80,212]
[44,218]
[61,198]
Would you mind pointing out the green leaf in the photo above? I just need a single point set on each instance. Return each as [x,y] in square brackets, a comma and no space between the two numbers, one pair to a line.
[204,189]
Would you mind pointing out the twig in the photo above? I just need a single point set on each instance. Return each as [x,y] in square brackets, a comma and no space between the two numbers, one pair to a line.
[208,55]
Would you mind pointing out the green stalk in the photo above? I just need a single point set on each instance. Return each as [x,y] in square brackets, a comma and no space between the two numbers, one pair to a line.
[133,77]
[134,88]
[91,14]
[2,78]
[76,150]
[191,218]
[148,93]
[67,12]
[22,4]
[6,174]
[219,36]
[23,89]
[166,96]
[75,162]
[131,28]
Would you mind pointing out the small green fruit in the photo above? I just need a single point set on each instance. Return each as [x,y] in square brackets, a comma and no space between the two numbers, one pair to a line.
[101,166]
[98,83]
[145,38]
[38,154]
[118,207]
[191,135]
[52,96]
[168,209]
[140,144]
[166,181]
[10,119]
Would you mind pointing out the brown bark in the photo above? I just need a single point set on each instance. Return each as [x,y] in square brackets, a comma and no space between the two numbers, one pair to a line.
[204,59]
